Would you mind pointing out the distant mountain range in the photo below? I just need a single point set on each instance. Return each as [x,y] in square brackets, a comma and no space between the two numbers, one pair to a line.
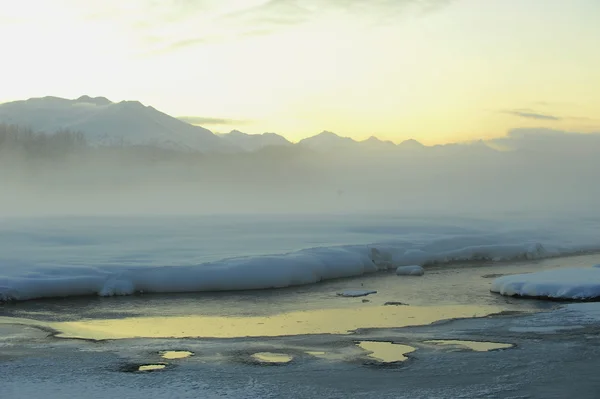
[253,142]
[104,122]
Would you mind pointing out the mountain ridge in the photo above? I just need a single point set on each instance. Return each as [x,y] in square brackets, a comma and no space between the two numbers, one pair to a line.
[104,122]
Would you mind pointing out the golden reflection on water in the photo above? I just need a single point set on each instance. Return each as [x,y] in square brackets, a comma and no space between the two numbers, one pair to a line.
[175,354]
[477,346]
[386,352]
[151,367]
[322,321]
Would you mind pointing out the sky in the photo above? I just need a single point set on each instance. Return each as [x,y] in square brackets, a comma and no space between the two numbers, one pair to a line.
[434,70]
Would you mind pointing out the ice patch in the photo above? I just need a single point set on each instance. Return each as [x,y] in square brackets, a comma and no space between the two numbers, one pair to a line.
[589,312]
[544,329]
[579,284]
[356,293]
[414,270]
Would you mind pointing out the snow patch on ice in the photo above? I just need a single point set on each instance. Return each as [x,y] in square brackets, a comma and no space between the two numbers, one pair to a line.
[572,283]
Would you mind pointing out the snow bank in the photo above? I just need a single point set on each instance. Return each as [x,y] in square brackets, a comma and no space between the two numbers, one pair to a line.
[414,270]
[579,284]
[131,269]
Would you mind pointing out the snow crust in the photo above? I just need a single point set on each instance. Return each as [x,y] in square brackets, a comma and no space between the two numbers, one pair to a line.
[571,283]
[413,270]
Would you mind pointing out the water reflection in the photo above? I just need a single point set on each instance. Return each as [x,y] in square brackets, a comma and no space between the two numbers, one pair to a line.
[477,346]
[151,367]
[175,354]
[321,321]
[386,352]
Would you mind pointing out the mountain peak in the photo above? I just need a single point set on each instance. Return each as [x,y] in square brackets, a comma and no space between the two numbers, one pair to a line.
[132,103]
[375,142]
[254,142]
[327,133]
[412,143]
[93,100]
[327,140]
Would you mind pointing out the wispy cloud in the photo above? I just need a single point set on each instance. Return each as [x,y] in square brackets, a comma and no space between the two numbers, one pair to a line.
[529,114]
[294,12]
[176,24]
[200,120]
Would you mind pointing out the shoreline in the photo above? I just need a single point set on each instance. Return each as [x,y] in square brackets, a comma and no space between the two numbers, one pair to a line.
[428,266]
[310,309]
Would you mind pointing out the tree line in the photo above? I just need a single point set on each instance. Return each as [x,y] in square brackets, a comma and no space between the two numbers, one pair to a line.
[26,142]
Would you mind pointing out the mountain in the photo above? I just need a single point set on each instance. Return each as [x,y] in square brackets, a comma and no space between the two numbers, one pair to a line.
[326,141]
[373,143]
[104,123]
[253,142]
[411,144]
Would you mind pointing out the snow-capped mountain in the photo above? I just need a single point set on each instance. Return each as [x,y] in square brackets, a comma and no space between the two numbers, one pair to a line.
[253,142]
[106,123]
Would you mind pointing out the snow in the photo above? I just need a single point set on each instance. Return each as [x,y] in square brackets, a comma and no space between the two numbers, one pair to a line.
[570,283]
[414,270]
[356,293]
[110,257]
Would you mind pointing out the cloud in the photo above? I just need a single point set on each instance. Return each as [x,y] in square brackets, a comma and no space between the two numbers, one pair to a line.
[200,120]
[169,25]
[192,41]
[529,114]
[294,12]
[538,139]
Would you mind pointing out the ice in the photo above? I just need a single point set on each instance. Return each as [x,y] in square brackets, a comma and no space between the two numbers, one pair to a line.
[570,283]
[414,270]
[544,329]
[356,293]
[589,312]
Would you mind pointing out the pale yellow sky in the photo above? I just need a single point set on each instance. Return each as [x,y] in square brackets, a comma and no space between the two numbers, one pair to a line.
[433,70]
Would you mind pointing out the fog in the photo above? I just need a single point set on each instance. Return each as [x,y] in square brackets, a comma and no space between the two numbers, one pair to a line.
[536,172]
